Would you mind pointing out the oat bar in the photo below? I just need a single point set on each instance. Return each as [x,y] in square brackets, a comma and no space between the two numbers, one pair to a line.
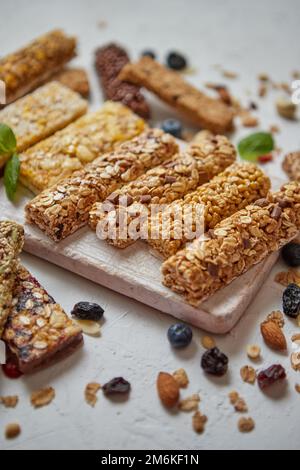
[235,188]
[29,67]
[74,78]
[166,183]
[38,331]
[40,114]
[235,245]
[171,87]
[291,165]
[64,208]
[109,61]
[11,244]
[79,143]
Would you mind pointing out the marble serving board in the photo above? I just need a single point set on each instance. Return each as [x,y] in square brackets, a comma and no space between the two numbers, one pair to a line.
[135,272]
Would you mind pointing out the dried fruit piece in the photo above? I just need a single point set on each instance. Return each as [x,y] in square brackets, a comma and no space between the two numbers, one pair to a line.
[291,254]
[181,378]
[240,406]
[168,389]
[273,335]
[89,327]
[87,311]
[253,351]
[208,342]
[286,108]
[269,376]
[190,403]
[214,362]
[295,361]
[11,370]
[10,401]
[248,374]
[199,421]
[246,424]
[116,386]
[42,397]
[233,397]
[90,393]
[12,430]
[291,301]
[277,317]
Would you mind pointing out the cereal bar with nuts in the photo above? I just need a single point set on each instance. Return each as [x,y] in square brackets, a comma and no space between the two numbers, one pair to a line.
[235,245]
[38,331]
[64,208]
[41,113]
[29,67]
[291,165]
[109,61]
[79,143]
[164,184]
[11,244]
[171,87]
[232,190]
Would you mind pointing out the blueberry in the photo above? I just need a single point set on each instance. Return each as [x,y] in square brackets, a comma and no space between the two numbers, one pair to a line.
[173,127]
[291,254]
[176,61]
[180,335]
[87,311]
[149,53]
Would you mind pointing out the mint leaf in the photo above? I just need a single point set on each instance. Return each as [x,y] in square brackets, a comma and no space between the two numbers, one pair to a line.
[11,176]
[255,145]
[8,142]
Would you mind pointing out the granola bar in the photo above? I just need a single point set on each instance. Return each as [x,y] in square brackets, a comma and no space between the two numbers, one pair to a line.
[109,61]
[64,208]
[40,114]
[232,190]
[165,184]
[74,78]
[11,244]
[171,87]
[29,67]
[38,331]
[79,143]
[291,165]
[236,244]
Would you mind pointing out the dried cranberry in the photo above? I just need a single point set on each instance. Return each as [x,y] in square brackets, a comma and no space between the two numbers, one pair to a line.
[11,370]
[116,386]
[270,376]
[214,362]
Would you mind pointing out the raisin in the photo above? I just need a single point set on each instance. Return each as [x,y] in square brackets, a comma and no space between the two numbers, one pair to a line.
[291,300]
[270,376]
[214,362]
[87,311]
[291,254]
[116,386]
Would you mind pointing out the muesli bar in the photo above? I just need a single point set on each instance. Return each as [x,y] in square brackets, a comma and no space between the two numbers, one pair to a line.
[170,86]
[41,113]
[235,245]
[29,67]
[79,143]
[166,183]
[74,78]
[38,331]
[65,207]
[291,165]
[235,188]
[11,244]
[109,61]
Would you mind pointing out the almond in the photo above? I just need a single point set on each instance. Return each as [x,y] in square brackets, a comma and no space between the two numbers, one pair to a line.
[273,335]
[168,389]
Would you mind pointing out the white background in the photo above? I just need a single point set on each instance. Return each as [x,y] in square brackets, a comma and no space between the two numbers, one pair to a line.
[248,38]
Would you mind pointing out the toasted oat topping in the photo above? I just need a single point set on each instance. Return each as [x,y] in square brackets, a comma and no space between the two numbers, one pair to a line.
[10,401]
[292,276]
[199,422]
[190,403]
[42,397]
[277,317]
[246,424]
[240,406]
[233,397]
[181,378]
[90,393]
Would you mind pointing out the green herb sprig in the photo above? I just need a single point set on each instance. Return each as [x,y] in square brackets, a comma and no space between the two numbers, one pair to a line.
[8,146]
[256,145]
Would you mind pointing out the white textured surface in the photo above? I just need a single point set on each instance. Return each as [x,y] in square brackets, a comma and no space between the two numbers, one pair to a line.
[243,38]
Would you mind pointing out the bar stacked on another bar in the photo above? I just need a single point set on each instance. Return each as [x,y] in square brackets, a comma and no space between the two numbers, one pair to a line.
[164,184]
[65,207]
[109,61]
[291,165]
[29,67]
[79,143]
[38,331]
[11,244]
[42,113]
[232,190]
[171,87]
[236,244]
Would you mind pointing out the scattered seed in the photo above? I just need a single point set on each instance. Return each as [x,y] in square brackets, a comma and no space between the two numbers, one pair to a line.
[286,108]
[199,421]
[12,430]
[253,351]
[9,401]
[190,403]
[208,342]
[295,361]
[240,406]
[277,317]
[233,397]
[42,397]
[246,424]
[181,378]
[89,327]
[248,374]
[90,393]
